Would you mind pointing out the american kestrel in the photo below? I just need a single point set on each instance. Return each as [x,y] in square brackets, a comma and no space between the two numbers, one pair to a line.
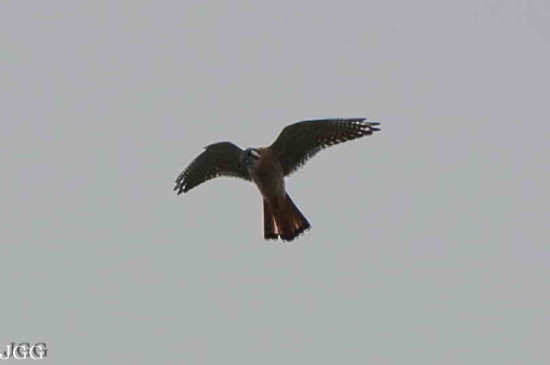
[268,166]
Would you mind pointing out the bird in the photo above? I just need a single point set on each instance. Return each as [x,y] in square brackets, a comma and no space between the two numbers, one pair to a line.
[267,167]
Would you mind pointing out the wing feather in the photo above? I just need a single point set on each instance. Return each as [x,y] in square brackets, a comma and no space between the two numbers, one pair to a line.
[300,141]
[218,159]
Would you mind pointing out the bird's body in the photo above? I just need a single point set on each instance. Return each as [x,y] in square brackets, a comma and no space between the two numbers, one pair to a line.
[281,217]
[268,166]
[268,176]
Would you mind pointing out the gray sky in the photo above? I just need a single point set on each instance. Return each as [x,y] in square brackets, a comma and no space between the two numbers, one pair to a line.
[429,239]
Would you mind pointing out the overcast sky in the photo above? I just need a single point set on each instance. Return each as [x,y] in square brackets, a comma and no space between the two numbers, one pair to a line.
[429,240]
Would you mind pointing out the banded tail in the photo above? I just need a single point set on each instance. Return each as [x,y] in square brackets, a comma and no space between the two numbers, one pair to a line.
[284,221]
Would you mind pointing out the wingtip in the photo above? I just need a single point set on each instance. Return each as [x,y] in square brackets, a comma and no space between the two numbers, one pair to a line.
[373,126]
[366,122]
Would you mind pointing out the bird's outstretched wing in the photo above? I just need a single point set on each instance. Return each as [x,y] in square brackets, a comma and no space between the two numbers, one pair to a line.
[300,141]
[218,159]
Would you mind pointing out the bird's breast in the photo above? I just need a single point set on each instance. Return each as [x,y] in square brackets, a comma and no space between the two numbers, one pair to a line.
[268,176]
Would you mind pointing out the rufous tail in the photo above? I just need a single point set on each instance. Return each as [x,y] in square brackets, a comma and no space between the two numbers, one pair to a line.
[284,221]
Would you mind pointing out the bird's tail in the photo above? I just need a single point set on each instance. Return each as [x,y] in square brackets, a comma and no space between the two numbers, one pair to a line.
[284,221]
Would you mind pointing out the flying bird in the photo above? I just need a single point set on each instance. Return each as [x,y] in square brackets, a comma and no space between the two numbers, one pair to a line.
[268,166]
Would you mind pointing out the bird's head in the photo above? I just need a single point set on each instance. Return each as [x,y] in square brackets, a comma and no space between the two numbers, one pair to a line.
[250,157]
